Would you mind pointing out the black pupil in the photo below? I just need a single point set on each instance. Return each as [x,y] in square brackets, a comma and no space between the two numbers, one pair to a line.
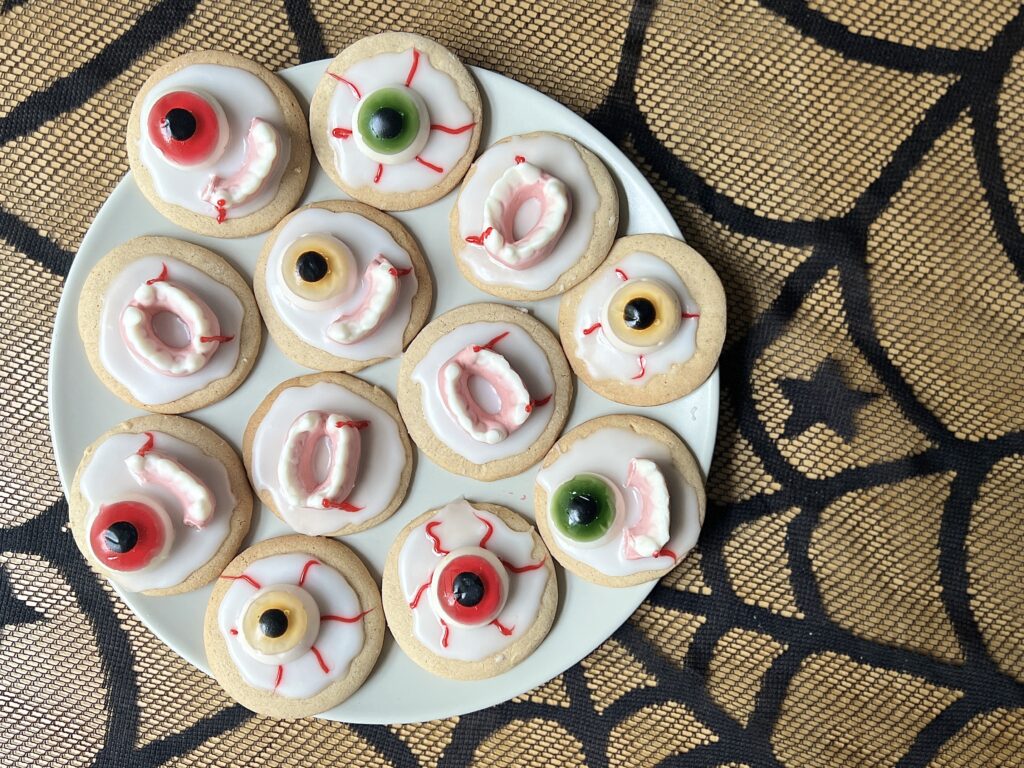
[639,314]
[583,510]
[468,589]
[180,123]
[273,623]
[312,267]
[120,537]
[386,123]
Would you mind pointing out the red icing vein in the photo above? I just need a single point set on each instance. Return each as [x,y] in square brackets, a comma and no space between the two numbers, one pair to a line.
[346,619]
[429,165]
[487,534]
[319,659]
[412,69]
[305,570]
[349,83]
[245,578]
[452,131]
[438,549]
[522,568]
[159,278]
[506,631]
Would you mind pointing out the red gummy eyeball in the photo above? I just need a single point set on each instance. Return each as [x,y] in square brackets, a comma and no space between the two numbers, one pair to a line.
[129,535]
[470,587]
[187,127]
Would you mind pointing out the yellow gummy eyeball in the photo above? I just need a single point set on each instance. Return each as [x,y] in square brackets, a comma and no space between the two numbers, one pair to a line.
[319,268]
[275,622]
[644,313]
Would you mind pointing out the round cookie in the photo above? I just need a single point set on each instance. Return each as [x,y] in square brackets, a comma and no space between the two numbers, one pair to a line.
[129,290]
[129,477]
[623,517]
[396,120]
[574,210]
[469,590]
[485,390]
[646,328]
[218,144]
[371,457]
[294,626]
[365,254]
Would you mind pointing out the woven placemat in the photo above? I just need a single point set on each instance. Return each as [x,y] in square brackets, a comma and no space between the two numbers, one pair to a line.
[853,170]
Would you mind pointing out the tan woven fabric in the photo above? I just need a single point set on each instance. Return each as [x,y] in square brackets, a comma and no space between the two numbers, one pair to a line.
[853,170]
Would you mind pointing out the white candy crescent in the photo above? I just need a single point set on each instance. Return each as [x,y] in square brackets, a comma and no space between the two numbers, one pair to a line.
[519,184]
[195,498]
[296,469]
[649,532]
[262,146]
[493,368]
[381,281]
[154,297]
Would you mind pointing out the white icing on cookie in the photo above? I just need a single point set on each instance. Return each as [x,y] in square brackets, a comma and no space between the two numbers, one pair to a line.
[448,118]
[367,241]
[106,479]
[525,357]
[461,525]
[607,360]
[142,381]
[555,156]
[337,642]
[381,456]
[243,97]
[590,455]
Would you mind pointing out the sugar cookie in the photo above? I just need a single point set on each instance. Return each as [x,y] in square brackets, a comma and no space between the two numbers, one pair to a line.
[623,516]
[159,505]
[359,484]
[342,286]
[469,590]
[396,120]
[536,214]
[168,326]
[218,144]
[485,390]
[648,326]
[294,626]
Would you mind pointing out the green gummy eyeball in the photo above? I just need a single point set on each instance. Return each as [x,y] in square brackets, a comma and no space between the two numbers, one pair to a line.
[388,121]
[583,508]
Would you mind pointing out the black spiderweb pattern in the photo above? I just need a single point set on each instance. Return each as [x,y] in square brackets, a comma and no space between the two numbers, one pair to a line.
[837,244]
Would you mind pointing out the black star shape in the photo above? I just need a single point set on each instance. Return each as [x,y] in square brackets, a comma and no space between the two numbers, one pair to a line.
[825,399]
[12,610]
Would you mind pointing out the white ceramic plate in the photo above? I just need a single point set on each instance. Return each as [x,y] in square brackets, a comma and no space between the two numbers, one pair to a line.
[398,691]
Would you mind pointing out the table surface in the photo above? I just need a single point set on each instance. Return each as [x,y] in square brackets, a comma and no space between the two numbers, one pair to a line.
[852,170]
